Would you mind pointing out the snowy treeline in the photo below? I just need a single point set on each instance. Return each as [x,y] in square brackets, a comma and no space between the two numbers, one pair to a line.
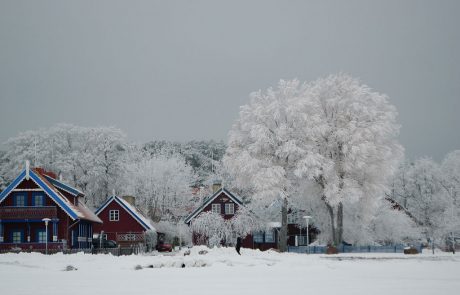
[100,161]
[429,193]
[203,156]
[91,159]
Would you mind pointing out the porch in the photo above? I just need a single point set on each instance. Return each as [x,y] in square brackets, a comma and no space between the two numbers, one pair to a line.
[24,228]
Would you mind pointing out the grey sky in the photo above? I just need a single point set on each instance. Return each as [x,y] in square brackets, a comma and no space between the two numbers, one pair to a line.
[180,70]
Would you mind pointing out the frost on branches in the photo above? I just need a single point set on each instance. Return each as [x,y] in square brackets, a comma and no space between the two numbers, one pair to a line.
[161,184]
[263,147]
[334,132]
[428,193]
[212,229]
[89,158]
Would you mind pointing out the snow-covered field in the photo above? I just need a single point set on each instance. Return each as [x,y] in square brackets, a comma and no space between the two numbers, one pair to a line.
[222,271]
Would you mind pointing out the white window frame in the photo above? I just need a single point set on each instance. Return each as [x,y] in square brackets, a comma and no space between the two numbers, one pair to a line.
[229,206]
[216,208]
[114,215]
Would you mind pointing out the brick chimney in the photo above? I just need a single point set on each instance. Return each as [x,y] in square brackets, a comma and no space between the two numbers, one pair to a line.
[216,185]
[130,199]
[42,171]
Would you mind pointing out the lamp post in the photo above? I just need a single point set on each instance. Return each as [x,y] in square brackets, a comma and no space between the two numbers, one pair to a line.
[307,219]
[46,220]
[452,220]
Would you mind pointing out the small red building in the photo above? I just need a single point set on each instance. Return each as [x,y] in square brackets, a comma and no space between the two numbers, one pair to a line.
[36,195]
[123,222]
[227,204]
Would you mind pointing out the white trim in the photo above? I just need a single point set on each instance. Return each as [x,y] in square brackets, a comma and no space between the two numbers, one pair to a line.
[28,190]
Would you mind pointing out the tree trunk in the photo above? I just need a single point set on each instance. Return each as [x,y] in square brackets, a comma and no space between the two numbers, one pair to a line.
[336,223]
[282,243]
[339,228]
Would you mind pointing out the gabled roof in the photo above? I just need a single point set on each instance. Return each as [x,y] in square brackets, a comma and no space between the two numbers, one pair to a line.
[212,198]
[63,186]
[75,212]
[133,211]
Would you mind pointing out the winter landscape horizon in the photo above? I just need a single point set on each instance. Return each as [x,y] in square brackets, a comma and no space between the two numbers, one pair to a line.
[234,147]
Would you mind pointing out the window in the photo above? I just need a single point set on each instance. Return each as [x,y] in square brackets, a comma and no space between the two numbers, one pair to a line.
[258,237]
[38,200]
[293,218]
[230,208]
[269,236]
[114,215]
[302,240]
[41,236]
[216,208]
[19,200]
[16,237]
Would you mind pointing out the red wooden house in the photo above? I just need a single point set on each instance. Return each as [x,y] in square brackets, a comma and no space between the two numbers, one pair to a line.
[227,204]
[35,195]
[123,222]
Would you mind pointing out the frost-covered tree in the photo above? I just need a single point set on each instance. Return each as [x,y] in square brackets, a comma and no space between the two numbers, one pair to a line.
[161,183]
[203,156]
[334,132]
[211,228]
[349,146]
[245,222]
[450,169]
[262,148]
[88,158]
[426,192]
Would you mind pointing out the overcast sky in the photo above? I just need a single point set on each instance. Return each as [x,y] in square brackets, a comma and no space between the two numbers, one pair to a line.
[179,70]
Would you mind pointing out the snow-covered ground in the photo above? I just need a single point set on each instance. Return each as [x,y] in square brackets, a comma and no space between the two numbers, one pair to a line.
[222,271]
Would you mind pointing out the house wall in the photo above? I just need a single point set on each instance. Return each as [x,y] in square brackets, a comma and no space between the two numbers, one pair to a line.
[222,199]
[126,223]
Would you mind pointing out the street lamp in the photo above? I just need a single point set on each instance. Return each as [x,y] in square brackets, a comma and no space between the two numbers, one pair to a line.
[307,219]
[452,221]
[46,220]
